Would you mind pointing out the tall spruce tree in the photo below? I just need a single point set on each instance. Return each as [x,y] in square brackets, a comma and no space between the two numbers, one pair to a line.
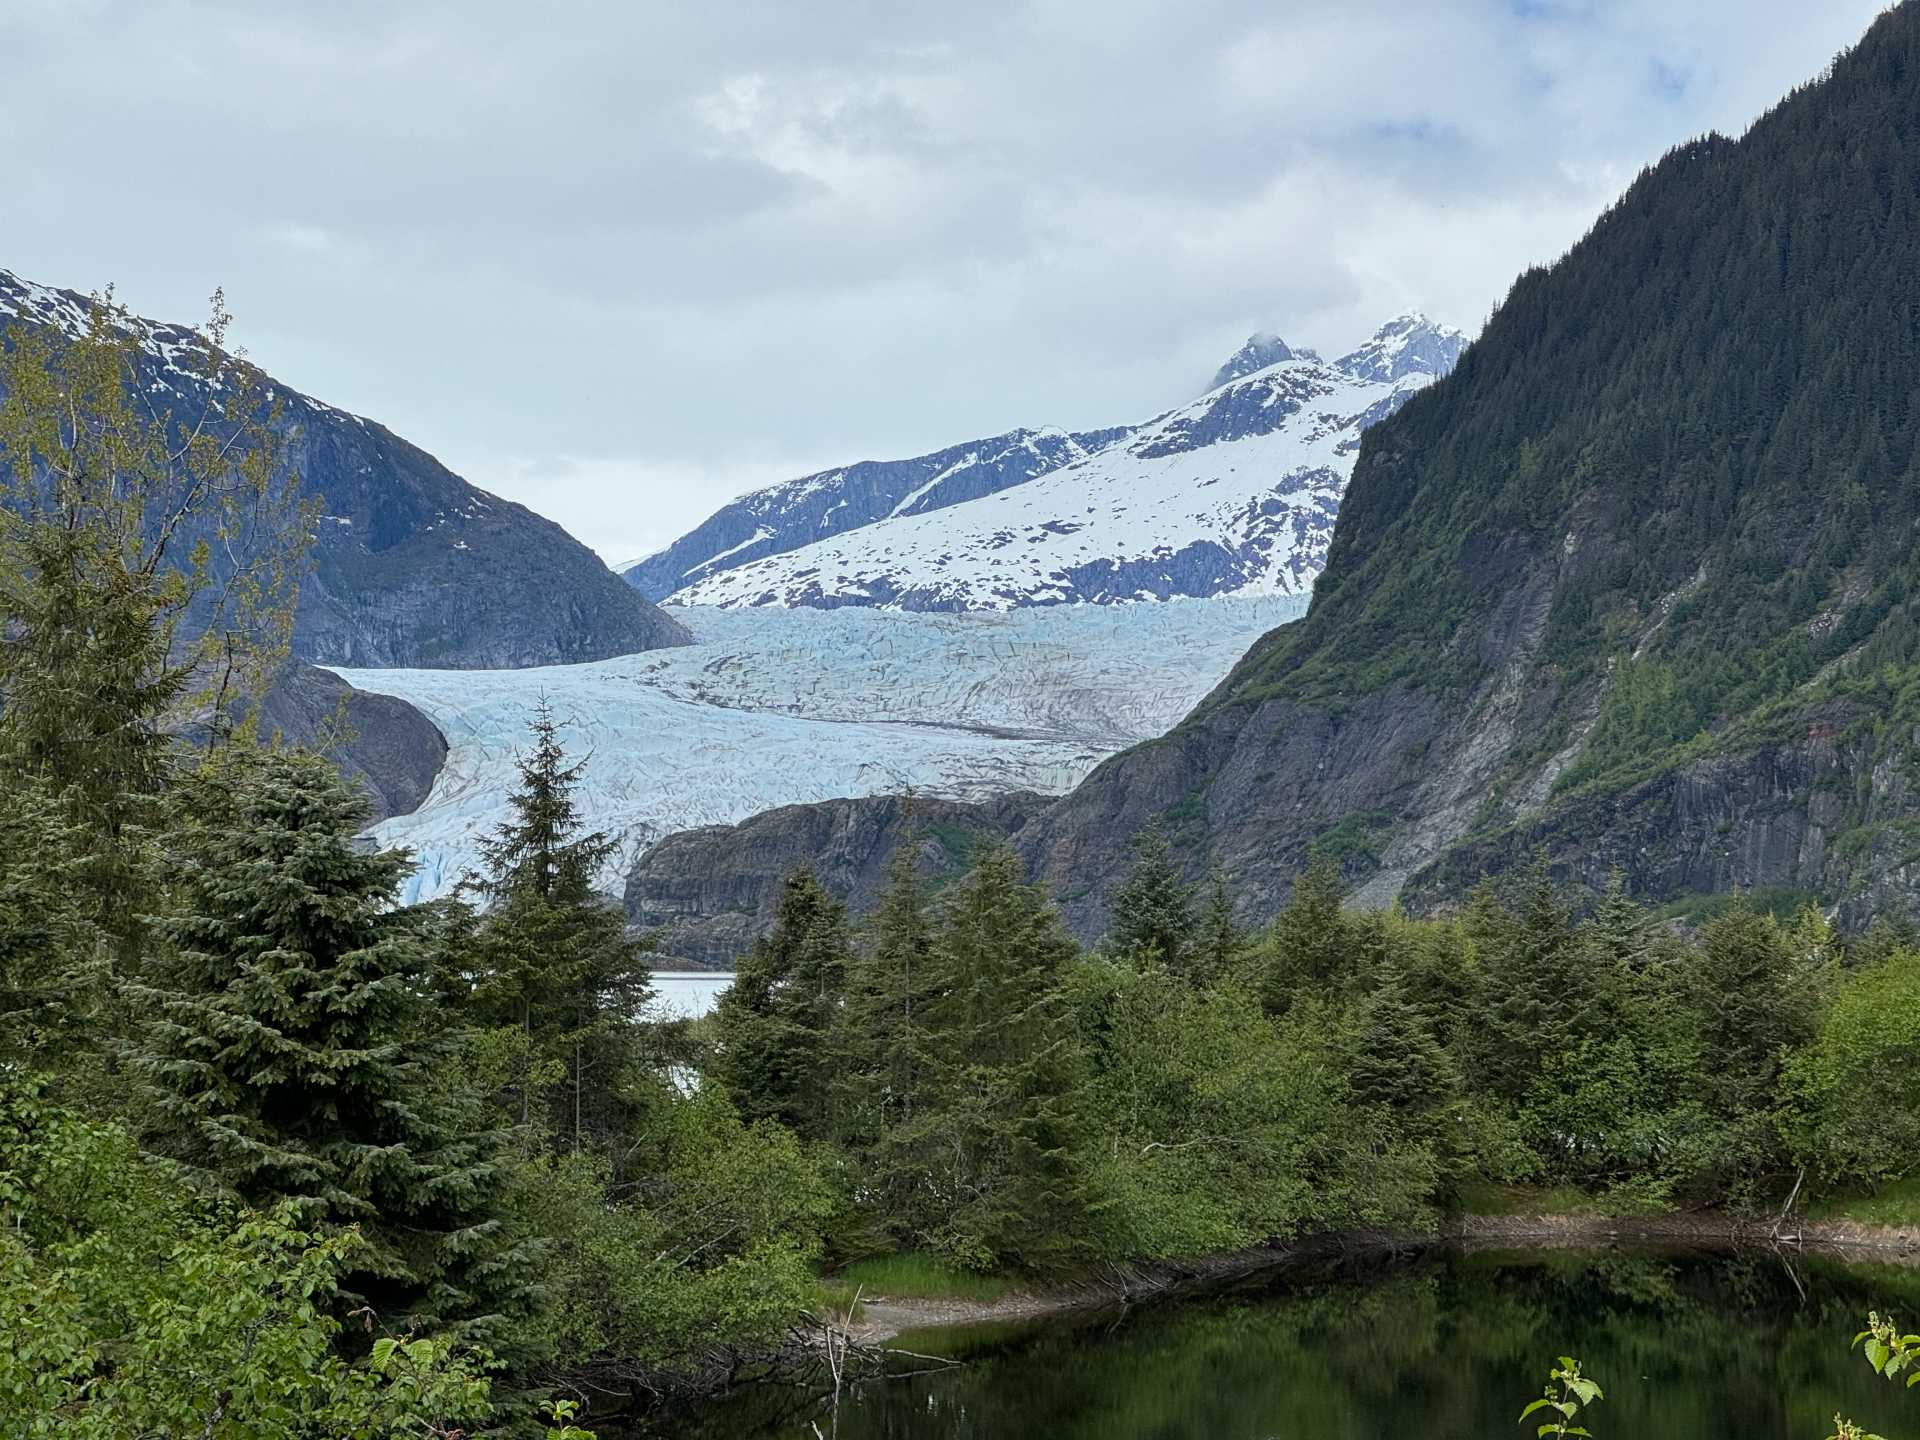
[1216,953]
[777,1026]
[1153,910]
[551,956]
[290,1052]
[1003,1067]
[1309,946]
[1758,988]
[1396,1061]
[52,970]
[882,1070]
[1539,992]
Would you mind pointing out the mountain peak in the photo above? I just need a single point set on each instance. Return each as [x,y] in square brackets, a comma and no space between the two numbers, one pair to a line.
[1263,348]
[1408,344]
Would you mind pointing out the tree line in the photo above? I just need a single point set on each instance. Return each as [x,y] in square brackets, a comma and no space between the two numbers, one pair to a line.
[993,1093]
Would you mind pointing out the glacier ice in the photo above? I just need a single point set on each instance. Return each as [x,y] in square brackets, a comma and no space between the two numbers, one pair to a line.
[778,707]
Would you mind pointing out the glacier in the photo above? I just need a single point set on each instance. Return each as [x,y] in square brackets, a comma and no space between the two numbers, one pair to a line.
[773,707]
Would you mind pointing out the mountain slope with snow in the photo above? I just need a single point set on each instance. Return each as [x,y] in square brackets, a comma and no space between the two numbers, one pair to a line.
[1232,494]
[401,536]
[798,512]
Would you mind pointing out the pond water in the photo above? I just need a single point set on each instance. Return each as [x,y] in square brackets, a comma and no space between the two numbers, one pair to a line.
[1447,1346]
[688,994]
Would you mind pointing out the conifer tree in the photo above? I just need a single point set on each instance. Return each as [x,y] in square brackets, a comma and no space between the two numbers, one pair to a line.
[777,1025]
[51,977]
[1309,945]
[1397,1061]
[1216,954]
[1538,991]
[1757,988]
[552,956]
[1619,928]
[883,1046]
[1153,920]
[290,1053]
[1003,1065]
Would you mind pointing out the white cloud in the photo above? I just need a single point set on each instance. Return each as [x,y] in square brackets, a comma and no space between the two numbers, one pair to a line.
[621,261]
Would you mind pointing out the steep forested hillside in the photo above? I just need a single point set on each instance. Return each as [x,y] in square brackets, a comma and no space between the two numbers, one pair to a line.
[1636,582]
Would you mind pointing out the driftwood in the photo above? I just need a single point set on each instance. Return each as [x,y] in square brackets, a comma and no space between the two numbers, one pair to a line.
[816,1363]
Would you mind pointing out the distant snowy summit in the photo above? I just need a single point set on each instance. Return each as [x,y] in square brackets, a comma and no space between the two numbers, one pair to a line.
[1234,493]
[1261,350]
[794,513]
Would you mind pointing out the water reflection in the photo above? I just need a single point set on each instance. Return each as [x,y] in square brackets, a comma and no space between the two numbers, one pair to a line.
[1688,1347]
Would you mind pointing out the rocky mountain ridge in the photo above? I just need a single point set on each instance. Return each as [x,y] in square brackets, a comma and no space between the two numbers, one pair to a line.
[411,564]
[799,512]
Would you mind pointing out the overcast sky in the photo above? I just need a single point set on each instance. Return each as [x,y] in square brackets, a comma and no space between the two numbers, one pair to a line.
[621,261]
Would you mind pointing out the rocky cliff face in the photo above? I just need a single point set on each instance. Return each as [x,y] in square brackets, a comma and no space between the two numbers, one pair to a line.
[411,564]
[705,895]
[1825,811]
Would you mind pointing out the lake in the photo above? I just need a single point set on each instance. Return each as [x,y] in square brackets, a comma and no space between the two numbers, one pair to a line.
[1447,1346]
[689,994]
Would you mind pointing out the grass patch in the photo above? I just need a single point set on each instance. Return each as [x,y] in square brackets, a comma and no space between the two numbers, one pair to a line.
[916,1277]
[1357,836]
[1486,1197]
[1894,1204]
[1784,902]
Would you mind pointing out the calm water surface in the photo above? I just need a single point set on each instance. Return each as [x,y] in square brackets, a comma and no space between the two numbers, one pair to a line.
[689,994]
[1447,1347]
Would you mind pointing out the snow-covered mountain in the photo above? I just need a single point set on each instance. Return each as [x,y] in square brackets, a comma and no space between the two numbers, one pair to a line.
[771,708]
[1263,348]
[1234,493]
[793,513]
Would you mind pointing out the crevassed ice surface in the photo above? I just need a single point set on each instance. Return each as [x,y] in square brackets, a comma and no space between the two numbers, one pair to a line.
[781,707]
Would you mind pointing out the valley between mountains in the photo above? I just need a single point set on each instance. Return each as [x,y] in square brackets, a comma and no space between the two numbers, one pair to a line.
[981,626]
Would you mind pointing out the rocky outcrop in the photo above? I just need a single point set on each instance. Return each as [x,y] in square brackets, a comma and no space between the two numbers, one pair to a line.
[380,742]
[1827,810]
[705,895]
